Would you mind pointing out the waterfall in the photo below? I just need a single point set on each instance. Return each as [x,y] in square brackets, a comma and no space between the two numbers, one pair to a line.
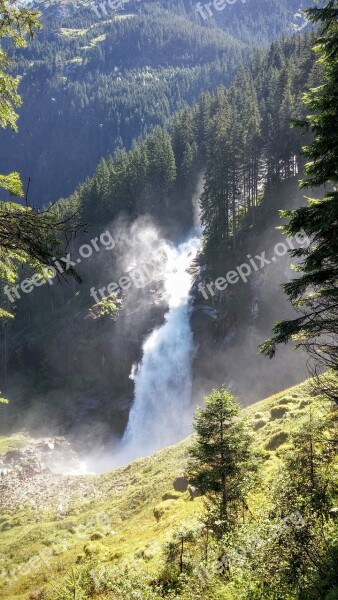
[161,411]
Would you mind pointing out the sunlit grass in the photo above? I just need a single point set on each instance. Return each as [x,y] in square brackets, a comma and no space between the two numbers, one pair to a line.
[128,520]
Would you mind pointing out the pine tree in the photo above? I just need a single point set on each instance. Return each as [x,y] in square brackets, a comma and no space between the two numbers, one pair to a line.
[217,194]
[315,294]
[161,165]
[245,141]
[221,461]
[305,483]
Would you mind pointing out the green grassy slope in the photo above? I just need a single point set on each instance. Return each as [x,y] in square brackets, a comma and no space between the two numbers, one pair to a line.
[125,515]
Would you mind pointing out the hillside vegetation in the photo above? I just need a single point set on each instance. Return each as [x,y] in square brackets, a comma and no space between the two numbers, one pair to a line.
[117,528]
[93,85]
[240,139]
[246,507]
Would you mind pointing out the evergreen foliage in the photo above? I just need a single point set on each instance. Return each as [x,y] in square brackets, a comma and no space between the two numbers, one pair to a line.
[221,464]
[26,236]
[93,86]
[314,293]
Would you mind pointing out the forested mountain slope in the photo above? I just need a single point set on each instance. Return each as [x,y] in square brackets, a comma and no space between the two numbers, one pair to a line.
[93,85]
[135,312]
[226,136]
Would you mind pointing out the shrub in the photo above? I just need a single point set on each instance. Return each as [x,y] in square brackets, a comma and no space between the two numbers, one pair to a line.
[162,508]
[93,549]
[286,400]
[276,440]
[158,512]
[96,536]
[5,526]
[278,412]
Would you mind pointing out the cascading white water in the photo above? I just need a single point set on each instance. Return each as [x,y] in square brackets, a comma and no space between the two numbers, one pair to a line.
[161,413]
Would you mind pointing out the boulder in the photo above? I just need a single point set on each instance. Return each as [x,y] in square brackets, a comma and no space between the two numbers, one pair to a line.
[180,484]
[13,456]
[193,491]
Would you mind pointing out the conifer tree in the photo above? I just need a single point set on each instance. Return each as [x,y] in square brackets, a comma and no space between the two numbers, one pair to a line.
[314,293]
[221,461]
[162,165]
[216,197]
[26,236]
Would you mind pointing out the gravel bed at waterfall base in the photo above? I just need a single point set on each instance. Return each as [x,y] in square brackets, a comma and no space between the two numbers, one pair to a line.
[45,475]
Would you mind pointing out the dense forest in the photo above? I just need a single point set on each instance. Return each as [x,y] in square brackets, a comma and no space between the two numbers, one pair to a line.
[95,85]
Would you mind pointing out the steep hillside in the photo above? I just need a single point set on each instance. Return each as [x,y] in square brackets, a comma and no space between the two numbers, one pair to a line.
[81,380]
[53,527]
[93,85]
[136,314]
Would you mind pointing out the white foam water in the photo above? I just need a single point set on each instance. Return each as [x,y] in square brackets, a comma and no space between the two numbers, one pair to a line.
[162,409]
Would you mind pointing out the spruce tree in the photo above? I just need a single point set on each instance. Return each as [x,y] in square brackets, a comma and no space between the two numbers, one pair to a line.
[217,193]
[221,461]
